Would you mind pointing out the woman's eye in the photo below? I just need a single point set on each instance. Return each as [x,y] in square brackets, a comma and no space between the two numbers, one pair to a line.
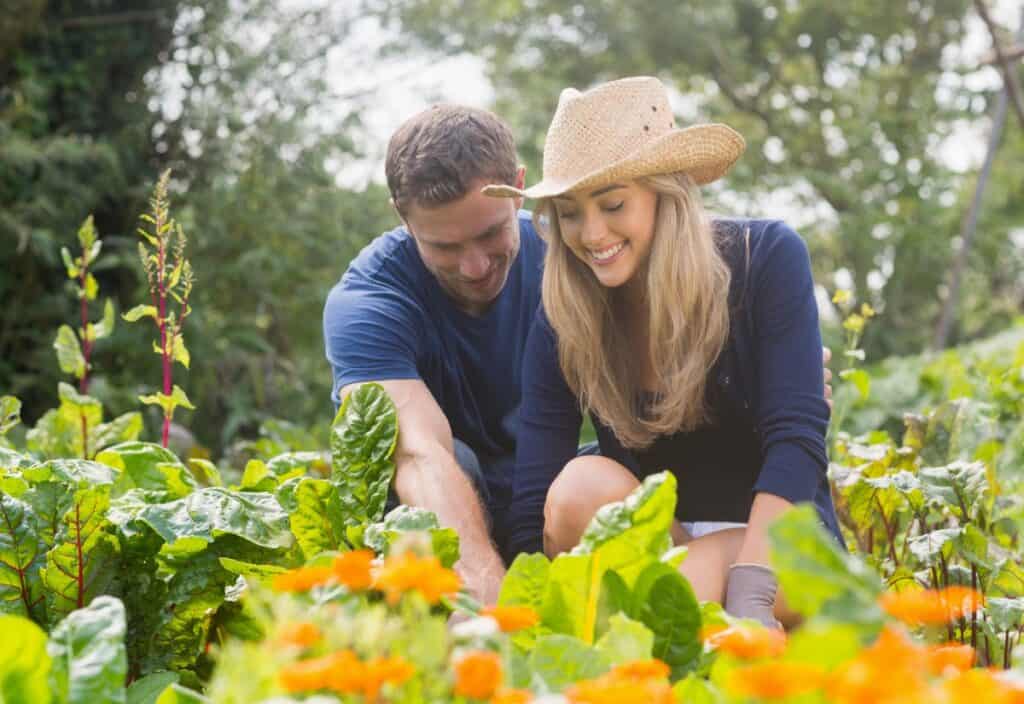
[567,216]
[613,208]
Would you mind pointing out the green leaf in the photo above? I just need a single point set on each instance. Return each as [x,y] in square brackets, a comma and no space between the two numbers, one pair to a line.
[860,379]
[179,352]
[827,644]
[168,402]
[363,438]
[69,263]
[318,522]
[571,586]
[257,477]
[22,553]
[1006,614]
[89,659]
[959,485]
[210,512]
[664,602]
[124,428]
[626,640]
[83,561]
[819,577]
[139,312]
[176,694]
[147,689]
[561,660]
[10,413]
[24,664]
[404,519]
[205,472]
[92,287]
[69,352]
[146,465]
[927,548]
[614,598]
[87,234]
[105,326]
[248,569]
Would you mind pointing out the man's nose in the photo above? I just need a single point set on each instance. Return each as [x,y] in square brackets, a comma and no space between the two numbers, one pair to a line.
[474,265]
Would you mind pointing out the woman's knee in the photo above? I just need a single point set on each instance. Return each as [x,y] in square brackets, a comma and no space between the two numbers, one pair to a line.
[585,484]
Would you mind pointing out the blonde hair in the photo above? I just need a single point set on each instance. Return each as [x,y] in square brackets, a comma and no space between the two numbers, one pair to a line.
[687,286]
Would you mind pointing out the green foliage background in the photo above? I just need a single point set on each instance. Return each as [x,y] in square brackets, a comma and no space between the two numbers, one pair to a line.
[843,107]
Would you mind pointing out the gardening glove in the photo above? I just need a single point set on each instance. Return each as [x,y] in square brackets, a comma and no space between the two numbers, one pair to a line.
[750,593]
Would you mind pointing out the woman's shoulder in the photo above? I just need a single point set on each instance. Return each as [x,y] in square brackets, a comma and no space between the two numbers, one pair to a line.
[749,244]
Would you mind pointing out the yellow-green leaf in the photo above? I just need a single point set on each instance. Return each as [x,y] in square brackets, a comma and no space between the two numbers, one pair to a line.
[69,352]
[180,351]
[140,312]
[68,263]
[92,288]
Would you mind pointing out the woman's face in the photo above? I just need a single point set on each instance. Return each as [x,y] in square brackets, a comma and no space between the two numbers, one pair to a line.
[610,229]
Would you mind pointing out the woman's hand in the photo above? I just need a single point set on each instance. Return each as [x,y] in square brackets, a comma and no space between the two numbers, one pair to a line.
[750,593]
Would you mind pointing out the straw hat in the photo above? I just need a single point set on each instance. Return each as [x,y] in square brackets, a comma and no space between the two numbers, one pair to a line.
[623,130]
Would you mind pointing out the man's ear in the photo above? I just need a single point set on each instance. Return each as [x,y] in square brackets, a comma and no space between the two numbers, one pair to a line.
[398,213]
[520,184]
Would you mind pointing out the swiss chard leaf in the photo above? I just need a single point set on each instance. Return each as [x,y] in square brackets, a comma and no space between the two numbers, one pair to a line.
[145,465]
[404,519]
[24,664]
[10,413]
[22,554]
[664,602]
[561,660]
[363,439]
[626,640]
[89,659]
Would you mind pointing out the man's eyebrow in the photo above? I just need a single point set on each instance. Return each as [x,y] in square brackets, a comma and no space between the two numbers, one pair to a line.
[492,230]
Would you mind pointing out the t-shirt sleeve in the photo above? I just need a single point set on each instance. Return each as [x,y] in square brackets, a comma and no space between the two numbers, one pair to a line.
[370,334]
[792,413]
[549,427]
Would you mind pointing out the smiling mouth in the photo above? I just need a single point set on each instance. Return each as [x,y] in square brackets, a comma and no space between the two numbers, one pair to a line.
[606,255]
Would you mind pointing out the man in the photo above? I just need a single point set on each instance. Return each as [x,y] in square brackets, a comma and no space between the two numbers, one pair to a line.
[437,311]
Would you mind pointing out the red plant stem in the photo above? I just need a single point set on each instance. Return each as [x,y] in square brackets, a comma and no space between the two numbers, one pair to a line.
[78,551]
[974,609]
[85,436]
[890,532]
[1006,651]
[22,581]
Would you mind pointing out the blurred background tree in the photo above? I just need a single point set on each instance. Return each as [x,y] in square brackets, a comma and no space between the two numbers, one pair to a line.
[847,109]
[854,113]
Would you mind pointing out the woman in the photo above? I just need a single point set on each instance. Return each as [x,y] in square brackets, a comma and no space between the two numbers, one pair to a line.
[693,344]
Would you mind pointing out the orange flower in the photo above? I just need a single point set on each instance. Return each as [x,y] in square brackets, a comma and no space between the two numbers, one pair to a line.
[309,675]
[888,672]
[974,686]
[395,670]
[512,618]
[478,675]
[409,572]
[613,690]
[512,696]
[952,656]
[745,642]
[931,606]
[353,569]
[302,579]
[776,680]
[299,635]
[641,670]
[347,673]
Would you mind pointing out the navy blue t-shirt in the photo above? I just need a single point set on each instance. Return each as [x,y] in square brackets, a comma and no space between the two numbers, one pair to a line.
[388,318]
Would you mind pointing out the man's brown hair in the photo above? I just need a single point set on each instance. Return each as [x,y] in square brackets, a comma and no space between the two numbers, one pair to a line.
[435,155]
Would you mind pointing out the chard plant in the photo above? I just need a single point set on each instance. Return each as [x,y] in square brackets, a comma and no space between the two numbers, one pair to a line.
[170,280]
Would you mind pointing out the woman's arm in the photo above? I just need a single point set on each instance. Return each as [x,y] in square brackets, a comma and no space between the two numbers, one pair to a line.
[549,427]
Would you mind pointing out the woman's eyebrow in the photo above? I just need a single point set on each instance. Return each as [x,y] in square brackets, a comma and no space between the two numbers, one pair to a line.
[606,189]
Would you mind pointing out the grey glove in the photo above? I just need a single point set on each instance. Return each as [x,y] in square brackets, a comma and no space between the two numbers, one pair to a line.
[751,593]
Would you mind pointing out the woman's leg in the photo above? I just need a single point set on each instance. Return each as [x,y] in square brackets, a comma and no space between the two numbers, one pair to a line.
[589,482]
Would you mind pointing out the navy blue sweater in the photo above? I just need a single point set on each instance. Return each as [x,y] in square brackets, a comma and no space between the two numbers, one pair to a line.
[766,392]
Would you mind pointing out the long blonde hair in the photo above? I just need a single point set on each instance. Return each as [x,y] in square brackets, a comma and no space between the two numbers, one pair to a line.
[687,286]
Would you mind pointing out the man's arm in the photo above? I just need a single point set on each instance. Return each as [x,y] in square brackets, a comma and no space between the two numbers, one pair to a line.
[428,476]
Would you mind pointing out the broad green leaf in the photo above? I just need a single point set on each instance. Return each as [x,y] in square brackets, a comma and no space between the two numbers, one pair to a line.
[291,464]
[205,472]
[177,694]
[124,428]
[148,466]
[83,561]
[363,438]
[10,413]
[88,652]
[210,512]
[24,664]
[694,689]
[69,352]
[615,598]
[22,553]
[959,485]
[571,586]
[248,569]
[817,575]
[526,581]
[140,311]
[147,689]
[318,522]
[561,660]
[955,431]
[626,640]
[257,477]
[404,519]
[1006,614]
[664,602]
[827,644]
[972,546]
[81,474]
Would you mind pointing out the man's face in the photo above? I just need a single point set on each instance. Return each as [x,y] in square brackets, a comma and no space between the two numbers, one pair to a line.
[469,245]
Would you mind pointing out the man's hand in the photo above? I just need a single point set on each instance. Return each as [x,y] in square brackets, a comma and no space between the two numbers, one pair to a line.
[826,355]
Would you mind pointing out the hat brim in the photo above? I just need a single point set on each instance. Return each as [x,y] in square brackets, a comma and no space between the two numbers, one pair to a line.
[705,152]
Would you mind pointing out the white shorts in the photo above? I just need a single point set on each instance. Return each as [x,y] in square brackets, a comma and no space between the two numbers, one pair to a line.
[699,528]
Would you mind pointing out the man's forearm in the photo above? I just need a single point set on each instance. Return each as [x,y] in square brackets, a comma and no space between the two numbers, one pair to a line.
[435,482]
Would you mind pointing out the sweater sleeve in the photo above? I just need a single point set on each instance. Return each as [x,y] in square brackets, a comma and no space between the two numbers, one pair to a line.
[791,411]
[549,427]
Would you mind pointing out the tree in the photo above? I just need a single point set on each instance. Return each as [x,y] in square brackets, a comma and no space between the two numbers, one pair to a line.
[844,107]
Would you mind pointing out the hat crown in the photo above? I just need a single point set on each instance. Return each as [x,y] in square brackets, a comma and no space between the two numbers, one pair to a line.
[590,130]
